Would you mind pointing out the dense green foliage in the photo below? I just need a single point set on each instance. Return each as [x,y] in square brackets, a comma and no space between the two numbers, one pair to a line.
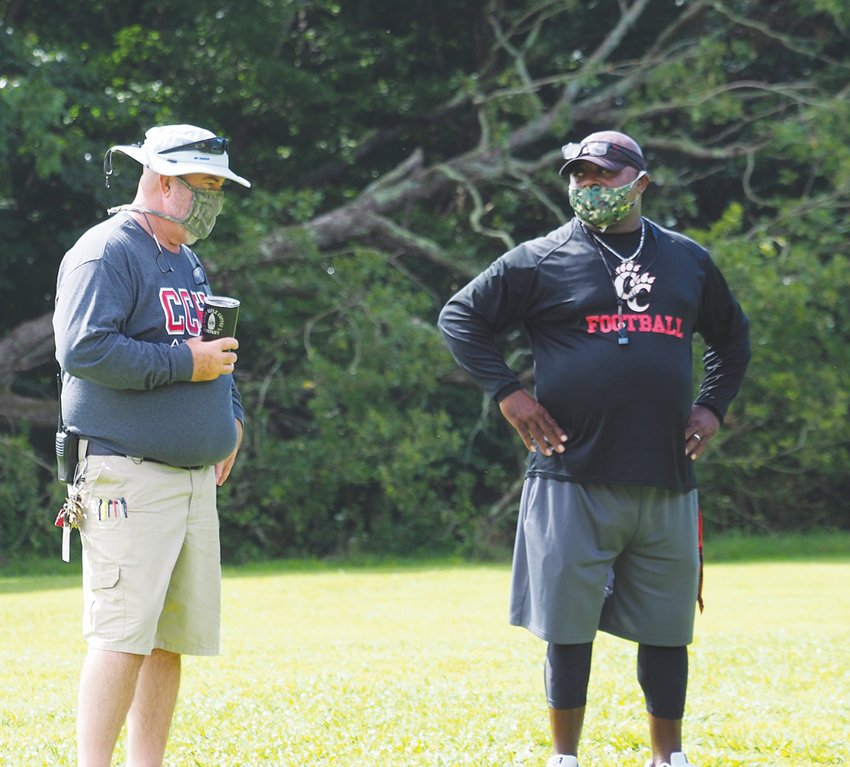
[396,149]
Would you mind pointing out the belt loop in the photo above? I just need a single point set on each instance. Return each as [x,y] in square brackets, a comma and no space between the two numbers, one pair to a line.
[82,449]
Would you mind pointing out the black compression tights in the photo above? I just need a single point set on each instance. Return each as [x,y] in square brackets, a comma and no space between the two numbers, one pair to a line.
[662,673]
[663,676]
[566,674]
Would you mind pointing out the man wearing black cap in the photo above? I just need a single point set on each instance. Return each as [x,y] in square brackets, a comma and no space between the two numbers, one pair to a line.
[607,536]
[159,422]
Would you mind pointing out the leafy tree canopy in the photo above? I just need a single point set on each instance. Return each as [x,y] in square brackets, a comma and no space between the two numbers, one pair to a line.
[396,149]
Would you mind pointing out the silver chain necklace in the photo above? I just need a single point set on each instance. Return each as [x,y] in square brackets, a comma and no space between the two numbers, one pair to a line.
[623,259]
[622,333]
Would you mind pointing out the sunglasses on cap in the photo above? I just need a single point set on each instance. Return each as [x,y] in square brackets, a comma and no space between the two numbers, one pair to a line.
[215,145]
[614,152]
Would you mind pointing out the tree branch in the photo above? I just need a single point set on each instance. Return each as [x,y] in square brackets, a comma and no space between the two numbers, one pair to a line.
[39,412]
[389,235]
[28,346]
[787,41]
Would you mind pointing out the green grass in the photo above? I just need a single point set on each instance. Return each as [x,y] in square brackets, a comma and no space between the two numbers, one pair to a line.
[412,663]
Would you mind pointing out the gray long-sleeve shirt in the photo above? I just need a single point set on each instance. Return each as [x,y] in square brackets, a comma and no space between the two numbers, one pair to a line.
[123,311]
[624,406]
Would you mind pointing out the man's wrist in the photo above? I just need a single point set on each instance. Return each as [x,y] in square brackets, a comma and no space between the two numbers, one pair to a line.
[507,390]
[712,408]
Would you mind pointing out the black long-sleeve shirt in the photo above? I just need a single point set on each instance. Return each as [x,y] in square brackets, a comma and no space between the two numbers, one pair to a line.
[624,406]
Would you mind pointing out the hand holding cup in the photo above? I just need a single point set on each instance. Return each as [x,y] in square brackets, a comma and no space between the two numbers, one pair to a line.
[211,359]
[213,355]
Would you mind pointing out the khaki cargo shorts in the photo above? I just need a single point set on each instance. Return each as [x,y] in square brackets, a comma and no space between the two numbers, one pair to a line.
[151,557]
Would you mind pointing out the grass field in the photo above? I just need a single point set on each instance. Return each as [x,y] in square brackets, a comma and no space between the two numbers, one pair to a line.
[413,664]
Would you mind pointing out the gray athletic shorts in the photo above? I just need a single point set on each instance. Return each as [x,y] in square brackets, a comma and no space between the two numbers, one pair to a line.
[624,559]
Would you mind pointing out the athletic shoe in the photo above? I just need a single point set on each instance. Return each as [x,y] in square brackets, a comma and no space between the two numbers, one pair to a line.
[562,760]
[677,759]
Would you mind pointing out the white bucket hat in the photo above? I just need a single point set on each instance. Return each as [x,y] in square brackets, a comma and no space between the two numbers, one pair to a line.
[177,150]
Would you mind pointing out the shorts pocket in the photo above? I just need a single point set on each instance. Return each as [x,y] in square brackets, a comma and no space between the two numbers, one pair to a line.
[105,614]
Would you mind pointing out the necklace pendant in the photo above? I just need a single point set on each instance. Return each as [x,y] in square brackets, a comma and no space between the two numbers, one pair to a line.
[622,335]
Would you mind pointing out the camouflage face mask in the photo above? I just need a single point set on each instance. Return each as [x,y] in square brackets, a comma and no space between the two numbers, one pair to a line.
[601,206]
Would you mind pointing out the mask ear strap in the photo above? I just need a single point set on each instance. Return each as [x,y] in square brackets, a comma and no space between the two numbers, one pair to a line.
[107,166]
[633,184]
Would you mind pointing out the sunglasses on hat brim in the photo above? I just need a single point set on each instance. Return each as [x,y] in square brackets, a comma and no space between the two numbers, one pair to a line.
[215,145]
[614,152]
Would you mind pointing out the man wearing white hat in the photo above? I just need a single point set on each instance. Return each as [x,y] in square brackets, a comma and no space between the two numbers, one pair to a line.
[159,421]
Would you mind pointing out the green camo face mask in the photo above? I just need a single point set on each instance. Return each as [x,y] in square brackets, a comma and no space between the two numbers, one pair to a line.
[602,207]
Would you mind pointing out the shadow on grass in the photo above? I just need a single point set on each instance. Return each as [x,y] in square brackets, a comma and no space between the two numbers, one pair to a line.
[37,574]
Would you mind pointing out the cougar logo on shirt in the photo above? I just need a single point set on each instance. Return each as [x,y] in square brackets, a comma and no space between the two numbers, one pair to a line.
[183,310]
[630,285]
